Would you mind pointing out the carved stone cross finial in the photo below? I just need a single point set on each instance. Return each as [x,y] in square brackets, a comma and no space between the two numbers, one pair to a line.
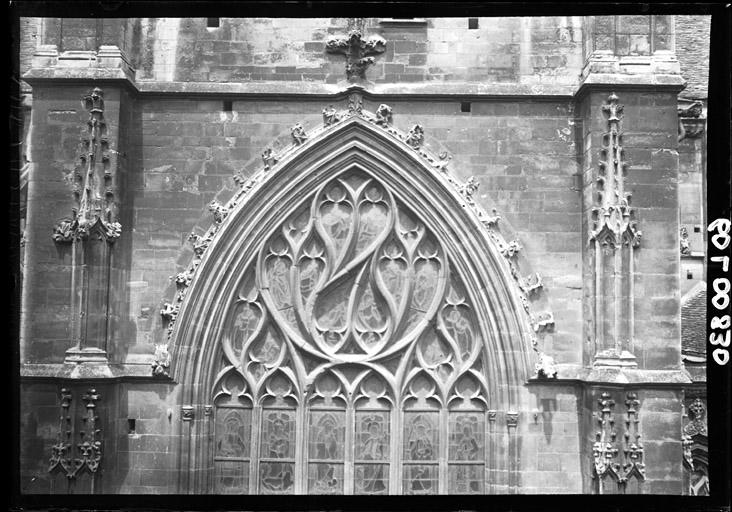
[357,50]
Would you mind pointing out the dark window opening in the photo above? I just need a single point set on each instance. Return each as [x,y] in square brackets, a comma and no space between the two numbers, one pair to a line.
[130,425]
[689,275]
[213,22]
[228,105]
[697,229]
[472,23]
[465,106]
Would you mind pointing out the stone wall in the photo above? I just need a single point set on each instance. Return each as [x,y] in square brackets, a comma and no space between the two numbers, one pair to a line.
[529,50]
[692,50]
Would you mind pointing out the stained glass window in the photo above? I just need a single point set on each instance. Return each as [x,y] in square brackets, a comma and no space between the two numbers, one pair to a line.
[277,452]
[420,454]
[372,452]
[347,285]
[326,445]
[466,453]
[231,450]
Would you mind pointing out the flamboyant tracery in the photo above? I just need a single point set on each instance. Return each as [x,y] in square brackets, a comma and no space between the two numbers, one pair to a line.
[365,336]
[352,310]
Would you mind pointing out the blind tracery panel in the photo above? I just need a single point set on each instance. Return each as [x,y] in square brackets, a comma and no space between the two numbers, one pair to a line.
[353,311]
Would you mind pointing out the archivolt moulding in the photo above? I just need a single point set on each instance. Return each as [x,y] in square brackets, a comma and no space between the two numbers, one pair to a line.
[355,139]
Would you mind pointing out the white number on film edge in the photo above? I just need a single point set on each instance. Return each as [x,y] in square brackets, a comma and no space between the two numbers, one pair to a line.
[721,287]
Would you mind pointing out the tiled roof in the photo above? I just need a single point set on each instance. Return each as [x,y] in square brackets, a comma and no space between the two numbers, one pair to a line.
[694,320]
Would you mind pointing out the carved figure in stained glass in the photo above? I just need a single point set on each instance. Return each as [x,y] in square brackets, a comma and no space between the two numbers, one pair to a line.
[246,321]
[269,350]
[279,279]
[232,442]
[420,442]
[326,442]
[276,477]
[326,448]
[279,439]
[467,447]
[421,481]
[374,448]
[308,277]
[459,327]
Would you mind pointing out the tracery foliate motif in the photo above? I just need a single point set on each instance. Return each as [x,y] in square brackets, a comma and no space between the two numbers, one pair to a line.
[352,277]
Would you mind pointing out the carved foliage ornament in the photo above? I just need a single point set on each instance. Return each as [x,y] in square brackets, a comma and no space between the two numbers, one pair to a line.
[415,137]
[161,363]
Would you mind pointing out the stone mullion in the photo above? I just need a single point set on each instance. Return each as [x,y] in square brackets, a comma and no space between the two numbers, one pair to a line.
[442,452]
[254,450]
[349,451]
[301,439]
[395,468]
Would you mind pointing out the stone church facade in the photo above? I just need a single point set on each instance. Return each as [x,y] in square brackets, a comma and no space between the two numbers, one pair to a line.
[364,256]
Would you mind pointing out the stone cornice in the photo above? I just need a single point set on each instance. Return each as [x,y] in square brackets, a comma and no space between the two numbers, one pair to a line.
[283,89]
[451,90]
[428,90]
[45,76]
[578,374]
[86,371]
[623,82]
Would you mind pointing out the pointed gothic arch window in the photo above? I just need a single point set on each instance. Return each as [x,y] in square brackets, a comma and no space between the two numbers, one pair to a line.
[369,323]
